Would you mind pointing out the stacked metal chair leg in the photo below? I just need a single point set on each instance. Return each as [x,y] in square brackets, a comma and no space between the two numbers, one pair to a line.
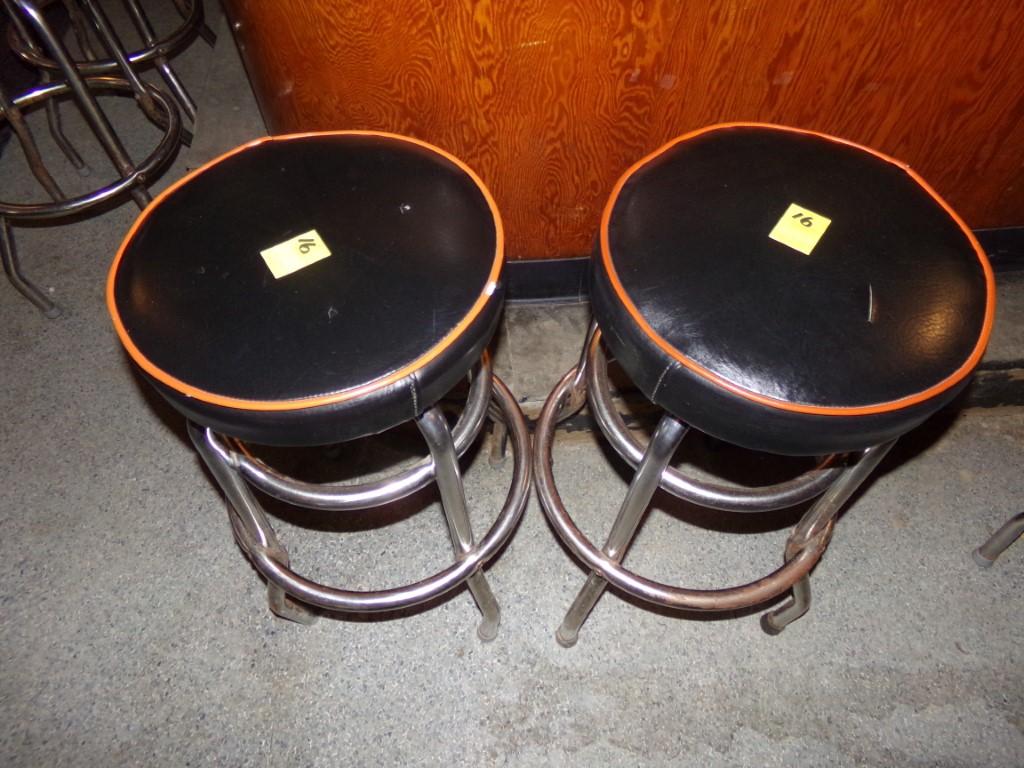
[1000,541]
[32,37]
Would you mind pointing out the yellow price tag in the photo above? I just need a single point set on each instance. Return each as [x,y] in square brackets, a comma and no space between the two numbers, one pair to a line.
[295,254]
[800,228]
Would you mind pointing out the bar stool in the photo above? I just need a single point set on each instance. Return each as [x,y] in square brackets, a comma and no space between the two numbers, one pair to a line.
[311,289]
[28,24]
[88,18]
[781,290]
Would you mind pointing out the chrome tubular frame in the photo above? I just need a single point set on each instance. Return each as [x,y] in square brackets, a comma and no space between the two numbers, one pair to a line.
[155,51]
[164,47]
[133,180]
[832,482]
[1000,541]
[336,497]
[138,175]
[290,594]
[706,494]
[29,24]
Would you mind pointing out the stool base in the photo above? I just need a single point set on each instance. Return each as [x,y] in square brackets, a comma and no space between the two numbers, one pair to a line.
[292,597]
[24,286]
[61,76]
[804,548]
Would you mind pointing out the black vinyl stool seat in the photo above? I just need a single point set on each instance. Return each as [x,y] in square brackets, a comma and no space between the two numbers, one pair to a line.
[762,345]
[350,345]
[310,289]
[784,291]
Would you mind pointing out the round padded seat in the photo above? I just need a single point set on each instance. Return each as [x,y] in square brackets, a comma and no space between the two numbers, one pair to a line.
[788,291]
[297,347]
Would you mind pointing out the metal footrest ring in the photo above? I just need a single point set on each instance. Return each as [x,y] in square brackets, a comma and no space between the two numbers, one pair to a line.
[260,542]
[338,497]
[720,496]
[142,173]
[643,588]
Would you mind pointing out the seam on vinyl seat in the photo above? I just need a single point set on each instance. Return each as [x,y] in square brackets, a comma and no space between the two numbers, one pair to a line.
[661,378]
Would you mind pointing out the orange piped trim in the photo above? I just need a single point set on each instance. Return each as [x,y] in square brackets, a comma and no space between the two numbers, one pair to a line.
[893,405]
[336,397]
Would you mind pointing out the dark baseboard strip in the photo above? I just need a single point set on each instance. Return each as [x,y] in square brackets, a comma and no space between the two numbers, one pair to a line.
[548,280]
[1004,246]
[567,280]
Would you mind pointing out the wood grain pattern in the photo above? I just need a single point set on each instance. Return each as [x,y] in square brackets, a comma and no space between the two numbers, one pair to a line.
[550,100]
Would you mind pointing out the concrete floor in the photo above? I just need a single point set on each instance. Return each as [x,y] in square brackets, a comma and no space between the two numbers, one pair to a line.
[134,632]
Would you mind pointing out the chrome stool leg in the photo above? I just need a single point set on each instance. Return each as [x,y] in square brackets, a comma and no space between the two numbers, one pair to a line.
[28,144]
[185,9]
[53,117]
[818,521]
[56,125]
[663,444]
[291,596]
[435,431]
[25,287]
[148,35]
[499,443]
[243,507]
[999,541]
[80,28]
[576,393]
[775,621]
[831,482]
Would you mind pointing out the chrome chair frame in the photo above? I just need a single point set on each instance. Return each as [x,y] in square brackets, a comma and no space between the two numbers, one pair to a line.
[290,595]
[832,481]
[134,177]
[155,51]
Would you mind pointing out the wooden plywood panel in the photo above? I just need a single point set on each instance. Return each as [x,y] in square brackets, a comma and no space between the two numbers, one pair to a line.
[550,100]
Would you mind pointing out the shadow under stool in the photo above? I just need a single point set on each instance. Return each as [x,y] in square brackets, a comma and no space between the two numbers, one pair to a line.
[781,290]
[312,289]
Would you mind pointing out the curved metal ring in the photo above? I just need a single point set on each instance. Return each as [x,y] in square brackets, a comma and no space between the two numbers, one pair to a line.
[165,47]
[646,589]
[730,498]
[142,173]
[412,594]
[338,497]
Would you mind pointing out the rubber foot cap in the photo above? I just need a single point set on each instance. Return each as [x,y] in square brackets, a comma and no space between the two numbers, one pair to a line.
[981,560]
[769,627]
